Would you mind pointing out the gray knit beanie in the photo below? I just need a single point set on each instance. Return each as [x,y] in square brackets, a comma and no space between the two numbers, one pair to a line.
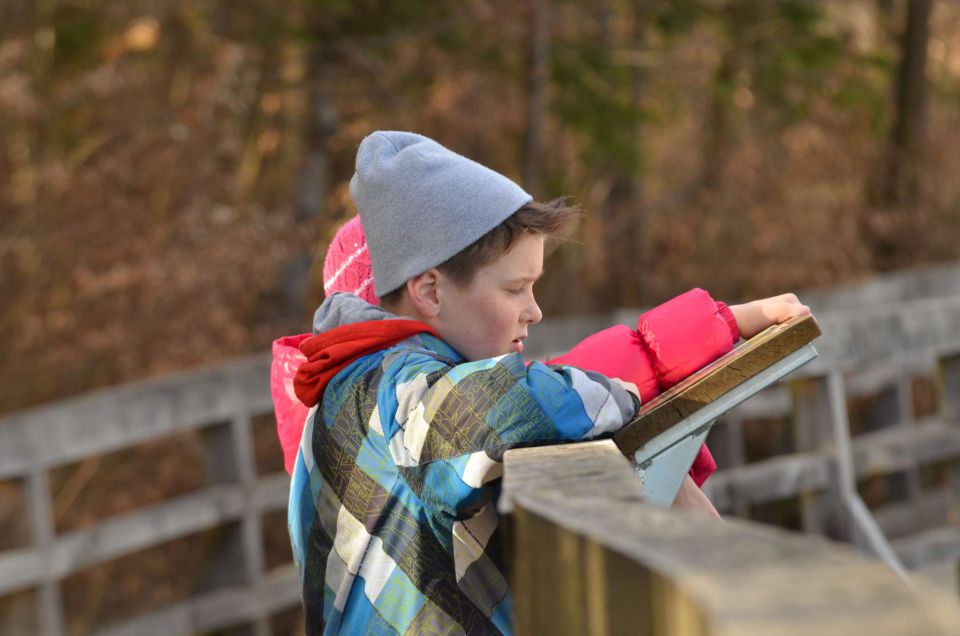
[421,204]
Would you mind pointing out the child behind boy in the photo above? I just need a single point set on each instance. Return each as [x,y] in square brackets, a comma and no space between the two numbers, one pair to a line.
[392,504]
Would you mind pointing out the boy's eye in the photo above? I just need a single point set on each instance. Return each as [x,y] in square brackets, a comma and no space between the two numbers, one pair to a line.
[516,292]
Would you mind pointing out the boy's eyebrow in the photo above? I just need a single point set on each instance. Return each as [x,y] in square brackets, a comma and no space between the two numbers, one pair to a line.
[528,278]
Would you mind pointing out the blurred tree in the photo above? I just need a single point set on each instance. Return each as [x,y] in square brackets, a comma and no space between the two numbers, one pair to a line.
[892,223]
[910,90]
[176,167]
[539,77]
[597,100]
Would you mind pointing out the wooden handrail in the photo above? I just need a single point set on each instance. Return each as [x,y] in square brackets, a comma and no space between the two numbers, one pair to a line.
[591,558]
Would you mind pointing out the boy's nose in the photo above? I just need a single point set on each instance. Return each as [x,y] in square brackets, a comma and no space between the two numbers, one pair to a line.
[534,315]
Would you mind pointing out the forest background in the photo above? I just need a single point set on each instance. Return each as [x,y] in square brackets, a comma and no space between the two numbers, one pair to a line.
[173,169]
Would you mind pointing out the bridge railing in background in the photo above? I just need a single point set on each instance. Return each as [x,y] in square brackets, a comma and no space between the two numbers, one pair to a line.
[591,558]
[217,406]
[881,403]
[893,346]
[899,363]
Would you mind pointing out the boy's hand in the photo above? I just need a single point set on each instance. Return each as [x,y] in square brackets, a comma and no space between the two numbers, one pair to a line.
[754,317]
[692,499]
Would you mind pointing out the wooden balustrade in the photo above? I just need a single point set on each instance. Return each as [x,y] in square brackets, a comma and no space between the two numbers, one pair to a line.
[676,579]
[591,558]
[217,404]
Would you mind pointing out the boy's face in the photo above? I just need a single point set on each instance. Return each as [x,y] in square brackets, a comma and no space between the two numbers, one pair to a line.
[491,315]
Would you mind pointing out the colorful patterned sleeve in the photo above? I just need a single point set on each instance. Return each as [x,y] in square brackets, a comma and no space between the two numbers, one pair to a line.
[441,410]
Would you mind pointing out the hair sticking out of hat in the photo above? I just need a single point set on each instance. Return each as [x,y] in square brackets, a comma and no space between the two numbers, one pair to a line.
[346,267]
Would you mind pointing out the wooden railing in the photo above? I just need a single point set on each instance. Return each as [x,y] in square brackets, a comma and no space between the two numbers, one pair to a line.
[884,361]
[218,405]
[591,558]
[880,409]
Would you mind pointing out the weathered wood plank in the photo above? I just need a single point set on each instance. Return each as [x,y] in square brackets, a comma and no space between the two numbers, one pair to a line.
[49,602]
[688,575]
[116,418]
[599,467]
[821,510]
[128,533]
[279,590]
[913,334]
[901,448]
[937,545]
[716,379]
[786,476]
[769,480]
[893,288]
[933,509]
[251,543]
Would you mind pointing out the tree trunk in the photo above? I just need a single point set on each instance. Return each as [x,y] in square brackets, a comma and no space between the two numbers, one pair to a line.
[899,186]
[719,122]
[632,285]
[623,211]
[539,77]
[314,178]
[321,123]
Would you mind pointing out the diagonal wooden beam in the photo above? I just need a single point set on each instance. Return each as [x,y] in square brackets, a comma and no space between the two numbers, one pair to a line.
[716,379]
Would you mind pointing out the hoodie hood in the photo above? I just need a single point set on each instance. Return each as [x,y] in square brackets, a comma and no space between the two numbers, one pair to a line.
[343,308]
[347,328]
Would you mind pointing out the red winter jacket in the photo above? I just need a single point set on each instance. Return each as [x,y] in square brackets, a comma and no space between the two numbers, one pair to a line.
[671,341]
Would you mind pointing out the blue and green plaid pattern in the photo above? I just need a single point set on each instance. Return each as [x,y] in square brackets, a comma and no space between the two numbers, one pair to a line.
[392,511]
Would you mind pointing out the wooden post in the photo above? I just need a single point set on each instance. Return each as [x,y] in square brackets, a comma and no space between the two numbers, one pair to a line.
[948,381]
[821,511]
[732,428]
[905,420]
[948,390]
[230,460]
[49,602]
[250,525]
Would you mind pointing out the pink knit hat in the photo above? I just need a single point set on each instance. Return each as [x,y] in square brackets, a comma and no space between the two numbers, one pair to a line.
[347,268]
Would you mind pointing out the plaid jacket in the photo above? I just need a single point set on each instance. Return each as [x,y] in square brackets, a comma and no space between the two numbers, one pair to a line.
[393,496]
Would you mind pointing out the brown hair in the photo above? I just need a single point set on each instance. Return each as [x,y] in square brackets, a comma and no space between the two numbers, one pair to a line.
[548,219]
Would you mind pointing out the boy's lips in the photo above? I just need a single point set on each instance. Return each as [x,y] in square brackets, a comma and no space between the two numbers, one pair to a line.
[517,345]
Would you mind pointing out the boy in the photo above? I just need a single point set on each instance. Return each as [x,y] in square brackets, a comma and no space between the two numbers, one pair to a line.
[669,342]
[392,504]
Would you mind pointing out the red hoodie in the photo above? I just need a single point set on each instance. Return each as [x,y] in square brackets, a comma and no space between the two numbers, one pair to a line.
[329,352]
[671,341]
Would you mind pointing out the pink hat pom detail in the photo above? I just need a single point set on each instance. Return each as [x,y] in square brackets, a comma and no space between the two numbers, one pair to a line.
[346,267]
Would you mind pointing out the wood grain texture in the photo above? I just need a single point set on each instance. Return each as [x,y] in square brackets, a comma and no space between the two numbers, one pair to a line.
[111,419]
[716,379]
[589,560]
[148,526]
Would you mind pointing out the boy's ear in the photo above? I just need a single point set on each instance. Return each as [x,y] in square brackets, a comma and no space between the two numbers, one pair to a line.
[422,293]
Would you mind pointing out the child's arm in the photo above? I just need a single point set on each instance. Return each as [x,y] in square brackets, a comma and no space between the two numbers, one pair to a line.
[447,428]
[691,498]
[443,411]
[671,341]
[754,317]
